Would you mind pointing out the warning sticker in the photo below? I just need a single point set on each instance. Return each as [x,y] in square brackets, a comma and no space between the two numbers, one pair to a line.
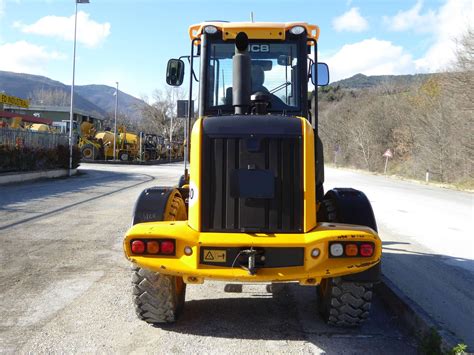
[215,256]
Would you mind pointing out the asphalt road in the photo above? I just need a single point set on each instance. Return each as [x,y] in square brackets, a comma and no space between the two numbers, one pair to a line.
[65,284]
[428,245]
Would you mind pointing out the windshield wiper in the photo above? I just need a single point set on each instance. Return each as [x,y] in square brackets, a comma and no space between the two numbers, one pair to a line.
[279,87]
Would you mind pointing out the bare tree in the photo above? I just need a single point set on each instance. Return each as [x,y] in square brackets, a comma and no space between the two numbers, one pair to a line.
[158,115]
[50,97]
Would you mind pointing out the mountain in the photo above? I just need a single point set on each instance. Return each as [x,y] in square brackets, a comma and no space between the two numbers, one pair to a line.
[97,99]
[103,96]
[361,81]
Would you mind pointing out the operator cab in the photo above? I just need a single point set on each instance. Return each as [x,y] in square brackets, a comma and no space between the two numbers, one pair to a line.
[254,69]
[281,61]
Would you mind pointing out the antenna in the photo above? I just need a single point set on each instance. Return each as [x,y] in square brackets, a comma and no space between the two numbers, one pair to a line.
[251,16]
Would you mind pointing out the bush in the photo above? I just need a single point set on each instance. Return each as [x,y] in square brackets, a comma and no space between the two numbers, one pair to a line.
[31,159]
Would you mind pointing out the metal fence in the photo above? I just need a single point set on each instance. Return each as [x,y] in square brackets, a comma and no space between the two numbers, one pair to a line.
[31,139]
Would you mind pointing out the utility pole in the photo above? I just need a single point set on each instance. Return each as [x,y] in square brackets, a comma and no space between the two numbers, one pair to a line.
[71,109]
[115,121]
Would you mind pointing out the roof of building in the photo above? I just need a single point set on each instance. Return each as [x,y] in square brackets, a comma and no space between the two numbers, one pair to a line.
[57,109]
[26,118]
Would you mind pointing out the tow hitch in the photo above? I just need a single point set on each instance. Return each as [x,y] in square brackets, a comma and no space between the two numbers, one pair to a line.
[251,259]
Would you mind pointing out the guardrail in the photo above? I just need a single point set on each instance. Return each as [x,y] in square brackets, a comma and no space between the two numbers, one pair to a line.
[31,139]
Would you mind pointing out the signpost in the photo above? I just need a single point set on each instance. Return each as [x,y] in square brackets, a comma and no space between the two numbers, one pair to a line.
[387,154]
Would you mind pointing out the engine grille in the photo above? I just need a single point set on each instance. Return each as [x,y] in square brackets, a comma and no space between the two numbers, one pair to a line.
[252,174]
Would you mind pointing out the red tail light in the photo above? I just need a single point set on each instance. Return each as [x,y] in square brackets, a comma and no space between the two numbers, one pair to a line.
[366,249]
[167,247]
[138,247]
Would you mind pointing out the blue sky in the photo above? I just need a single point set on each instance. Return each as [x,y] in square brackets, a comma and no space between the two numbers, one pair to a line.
[130,41]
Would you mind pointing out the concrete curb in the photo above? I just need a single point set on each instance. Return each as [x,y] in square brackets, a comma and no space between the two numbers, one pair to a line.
[411,315]
[11,178]
[119,162]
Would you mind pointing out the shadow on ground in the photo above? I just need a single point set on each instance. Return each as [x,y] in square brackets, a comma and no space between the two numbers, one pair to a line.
[289,313]
[21,201]
[87,179]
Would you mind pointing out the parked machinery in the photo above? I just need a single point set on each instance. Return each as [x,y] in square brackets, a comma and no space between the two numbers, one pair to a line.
[100,145]
[253,208]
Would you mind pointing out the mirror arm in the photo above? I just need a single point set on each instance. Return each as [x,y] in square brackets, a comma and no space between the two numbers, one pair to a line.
[189,61]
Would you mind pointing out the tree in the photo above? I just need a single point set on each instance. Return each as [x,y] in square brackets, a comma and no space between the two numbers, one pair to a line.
[158,115]
[50,97]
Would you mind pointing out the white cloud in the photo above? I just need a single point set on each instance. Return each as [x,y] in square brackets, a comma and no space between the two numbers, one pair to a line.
[89,32]
[24,57]
[350,21]
[370,57]
[411,19]
[445,25]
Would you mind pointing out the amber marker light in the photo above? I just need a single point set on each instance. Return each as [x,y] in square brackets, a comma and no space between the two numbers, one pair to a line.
[152,247]
[351,250]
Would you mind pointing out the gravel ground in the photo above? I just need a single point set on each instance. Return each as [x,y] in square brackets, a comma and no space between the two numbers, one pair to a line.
[65,284]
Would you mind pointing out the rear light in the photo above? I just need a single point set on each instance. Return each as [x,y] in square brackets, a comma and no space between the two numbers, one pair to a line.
[167,247]
[351,250]
[336,249]
[152,247]
[366,249]
[138,247]
[210,29]
[297,30]
[315,252]
[188,250]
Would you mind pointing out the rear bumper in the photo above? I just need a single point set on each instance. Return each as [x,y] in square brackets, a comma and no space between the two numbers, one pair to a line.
[310,272]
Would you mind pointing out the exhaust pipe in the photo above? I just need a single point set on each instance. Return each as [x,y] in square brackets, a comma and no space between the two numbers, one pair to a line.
[241,84]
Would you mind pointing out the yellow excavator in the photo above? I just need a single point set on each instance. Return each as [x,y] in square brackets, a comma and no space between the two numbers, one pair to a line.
[100,145]
[251,207]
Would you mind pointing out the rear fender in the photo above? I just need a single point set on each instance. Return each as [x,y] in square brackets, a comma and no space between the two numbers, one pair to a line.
[151,205]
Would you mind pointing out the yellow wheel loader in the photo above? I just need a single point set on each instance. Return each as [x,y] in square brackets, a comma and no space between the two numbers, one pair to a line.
[251,207]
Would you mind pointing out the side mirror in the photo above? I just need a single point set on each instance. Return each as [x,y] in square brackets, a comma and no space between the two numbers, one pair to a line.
[322,71]
[175,72]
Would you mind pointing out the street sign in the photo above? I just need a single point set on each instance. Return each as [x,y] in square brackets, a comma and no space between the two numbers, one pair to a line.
[182,111]
[388,154]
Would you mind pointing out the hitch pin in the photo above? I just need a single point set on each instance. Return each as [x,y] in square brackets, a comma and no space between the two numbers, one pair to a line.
[252,254]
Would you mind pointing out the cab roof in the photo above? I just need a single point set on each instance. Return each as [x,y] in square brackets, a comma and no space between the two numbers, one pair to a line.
[254,30]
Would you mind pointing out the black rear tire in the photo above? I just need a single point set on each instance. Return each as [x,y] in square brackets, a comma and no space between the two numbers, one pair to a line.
[341,302]
[158,298]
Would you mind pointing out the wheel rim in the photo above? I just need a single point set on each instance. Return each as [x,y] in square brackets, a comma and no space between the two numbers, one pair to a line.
[87,153]
[175,208]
